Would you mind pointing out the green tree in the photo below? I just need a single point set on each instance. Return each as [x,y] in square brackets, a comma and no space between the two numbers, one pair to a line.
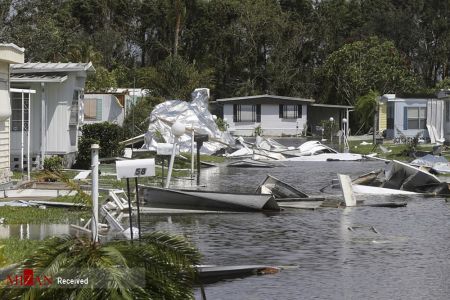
[444,84]
[359,67]
[174,78]
[44,27]
[138,116]
[101,81]
[365,108]
[161,266]
[151,31]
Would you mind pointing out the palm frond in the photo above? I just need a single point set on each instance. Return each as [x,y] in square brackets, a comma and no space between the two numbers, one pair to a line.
[160,267]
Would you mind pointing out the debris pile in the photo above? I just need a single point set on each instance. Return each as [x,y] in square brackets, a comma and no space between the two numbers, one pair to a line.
[269,149]
[195,116]
[400,178]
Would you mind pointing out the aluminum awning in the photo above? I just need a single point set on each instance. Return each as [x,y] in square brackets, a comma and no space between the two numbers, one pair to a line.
[18,78]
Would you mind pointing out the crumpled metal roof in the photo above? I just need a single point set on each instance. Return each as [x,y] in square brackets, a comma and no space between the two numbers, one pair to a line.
[194,115]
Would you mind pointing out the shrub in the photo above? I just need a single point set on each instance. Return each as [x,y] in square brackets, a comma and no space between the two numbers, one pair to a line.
[222,124]
[106,134]
[53,163]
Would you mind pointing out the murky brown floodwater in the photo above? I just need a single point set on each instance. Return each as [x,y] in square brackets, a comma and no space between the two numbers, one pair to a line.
[409,259]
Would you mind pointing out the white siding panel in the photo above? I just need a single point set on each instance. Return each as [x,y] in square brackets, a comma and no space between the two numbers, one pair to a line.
[399,117]
[238,128]
[271,124]
[4,132]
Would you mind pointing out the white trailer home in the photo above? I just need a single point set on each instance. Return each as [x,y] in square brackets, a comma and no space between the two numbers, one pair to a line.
[273,115]
[55,110]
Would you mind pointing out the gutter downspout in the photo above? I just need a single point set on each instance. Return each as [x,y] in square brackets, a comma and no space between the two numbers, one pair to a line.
[43,125]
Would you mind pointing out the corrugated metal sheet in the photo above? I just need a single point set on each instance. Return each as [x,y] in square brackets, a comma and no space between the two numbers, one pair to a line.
[38,78]
[51,67]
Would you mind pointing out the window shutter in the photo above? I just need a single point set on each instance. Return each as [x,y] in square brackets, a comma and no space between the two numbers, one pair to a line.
[405,118]
[299,111]
[98,110]
[280,111]
[258,112]
[235,113]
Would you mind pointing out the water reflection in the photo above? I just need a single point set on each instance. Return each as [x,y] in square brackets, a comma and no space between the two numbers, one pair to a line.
[33,231]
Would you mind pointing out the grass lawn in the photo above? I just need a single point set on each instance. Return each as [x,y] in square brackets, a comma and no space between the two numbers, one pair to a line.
[15,250]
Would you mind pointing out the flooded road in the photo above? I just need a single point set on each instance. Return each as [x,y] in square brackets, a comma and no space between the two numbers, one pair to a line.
[408,258]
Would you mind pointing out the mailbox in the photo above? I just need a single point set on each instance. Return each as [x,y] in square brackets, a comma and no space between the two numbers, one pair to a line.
[135,168]
[165,149]
[200,138]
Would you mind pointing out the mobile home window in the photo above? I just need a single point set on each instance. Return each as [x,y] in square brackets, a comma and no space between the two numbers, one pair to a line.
[290,111]
[247,113]
[16,111]
[93,109]
[447,111]
[416,117]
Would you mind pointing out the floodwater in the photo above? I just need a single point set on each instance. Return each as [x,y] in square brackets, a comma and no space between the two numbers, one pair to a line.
[408,258]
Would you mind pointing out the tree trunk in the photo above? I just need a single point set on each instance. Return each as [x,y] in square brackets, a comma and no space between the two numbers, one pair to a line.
[177,31]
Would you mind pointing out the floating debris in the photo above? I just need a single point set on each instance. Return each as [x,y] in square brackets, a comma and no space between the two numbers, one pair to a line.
[400,178]
[208,200]
[250,163]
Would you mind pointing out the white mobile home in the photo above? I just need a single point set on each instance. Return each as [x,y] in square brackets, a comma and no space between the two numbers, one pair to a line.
[54,110]
[9,54]
[273,115]
[411,116]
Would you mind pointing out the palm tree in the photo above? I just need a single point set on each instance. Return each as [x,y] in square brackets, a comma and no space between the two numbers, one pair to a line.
[158,267]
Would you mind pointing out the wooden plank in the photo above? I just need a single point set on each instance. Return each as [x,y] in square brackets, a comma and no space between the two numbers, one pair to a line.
[346,185]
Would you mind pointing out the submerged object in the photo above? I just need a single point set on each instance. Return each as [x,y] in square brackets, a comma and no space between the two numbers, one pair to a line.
[279,189]
[400,178]
[207,200]
[288,196]
[250,163]
[327,157]
[374,190]
[403,176]
[212,273]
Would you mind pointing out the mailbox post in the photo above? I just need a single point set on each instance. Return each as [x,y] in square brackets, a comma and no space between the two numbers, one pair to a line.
[95,165]
[178,129]
[199,139]
[164,150]
[134,169]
